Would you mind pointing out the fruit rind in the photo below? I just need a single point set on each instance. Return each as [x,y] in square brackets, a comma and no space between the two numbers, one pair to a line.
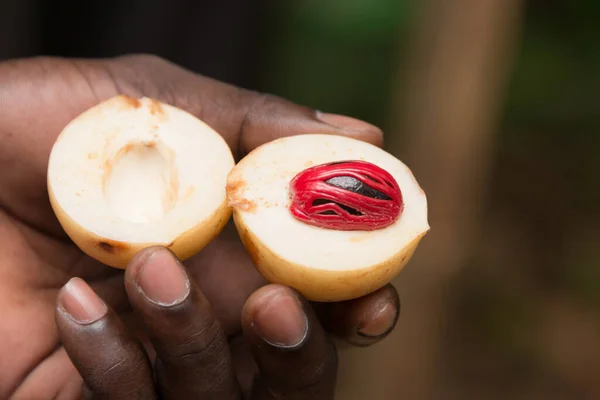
[117,254]
[323,285]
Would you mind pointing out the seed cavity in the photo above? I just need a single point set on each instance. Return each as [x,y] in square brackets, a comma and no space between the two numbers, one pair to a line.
[141,182]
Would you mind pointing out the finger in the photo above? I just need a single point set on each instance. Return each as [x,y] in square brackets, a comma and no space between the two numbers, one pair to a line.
[363,321]
[270,117]
[295,356]
[112,363]
[193,360]
[246,119]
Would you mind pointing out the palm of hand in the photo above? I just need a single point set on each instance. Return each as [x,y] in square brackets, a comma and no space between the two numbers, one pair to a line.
[37,257]
[41,265]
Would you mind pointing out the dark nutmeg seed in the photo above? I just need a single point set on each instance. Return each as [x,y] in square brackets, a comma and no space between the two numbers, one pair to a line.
[354,185]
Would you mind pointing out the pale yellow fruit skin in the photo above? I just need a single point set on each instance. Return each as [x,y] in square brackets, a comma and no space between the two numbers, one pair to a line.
[319,284]
[118,254]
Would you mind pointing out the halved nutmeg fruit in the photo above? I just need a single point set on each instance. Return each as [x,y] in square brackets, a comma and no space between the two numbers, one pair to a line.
[333,217]
[130,173]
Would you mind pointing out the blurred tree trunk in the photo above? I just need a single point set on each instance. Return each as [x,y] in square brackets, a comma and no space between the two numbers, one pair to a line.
[444,116]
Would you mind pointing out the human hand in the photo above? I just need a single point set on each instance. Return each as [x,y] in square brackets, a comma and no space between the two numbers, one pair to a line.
[195,360]
[38,97]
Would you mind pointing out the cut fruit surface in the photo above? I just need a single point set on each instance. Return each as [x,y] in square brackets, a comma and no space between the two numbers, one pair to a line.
[129,173]
[323,264]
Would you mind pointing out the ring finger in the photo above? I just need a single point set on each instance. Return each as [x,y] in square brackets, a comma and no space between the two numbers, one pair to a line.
[111,362]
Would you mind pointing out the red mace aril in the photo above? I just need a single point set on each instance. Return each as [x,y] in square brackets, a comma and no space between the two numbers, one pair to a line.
[346,195]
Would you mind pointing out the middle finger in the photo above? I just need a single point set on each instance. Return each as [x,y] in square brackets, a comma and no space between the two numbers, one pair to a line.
[193,358]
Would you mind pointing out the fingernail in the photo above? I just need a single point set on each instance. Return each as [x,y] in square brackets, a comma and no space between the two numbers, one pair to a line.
[280,320]
[81,302]
[345,122]
[381,322]
[161,278]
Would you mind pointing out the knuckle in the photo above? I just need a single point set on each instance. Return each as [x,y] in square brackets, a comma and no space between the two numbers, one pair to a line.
[144,58]
[113,370]
[260,102]
[201,346]
[120,369]
[128,374]
[143,75]
[326,367]
[259,106]
[311,379]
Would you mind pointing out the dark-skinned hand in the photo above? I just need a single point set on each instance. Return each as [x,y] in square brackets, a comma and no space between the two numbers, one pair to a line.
[212,329]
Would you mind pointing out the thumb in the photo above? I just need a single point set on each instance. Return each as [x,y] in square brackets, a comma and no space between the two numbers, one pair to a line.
[246,119]
[272,117]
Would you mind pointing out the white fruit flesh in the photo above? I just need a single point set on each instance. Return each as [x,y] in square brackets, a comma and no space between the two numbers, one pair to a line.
[129,173]
[323,264]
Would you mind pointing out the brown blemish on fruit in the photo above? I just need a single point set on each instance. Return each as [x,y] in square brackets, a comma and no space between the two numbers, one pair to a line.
[235,186]
[235,196]
[245,205]
[111,246]
[131,101]
[129,146]
[107,165]
[156,108]
[92,156]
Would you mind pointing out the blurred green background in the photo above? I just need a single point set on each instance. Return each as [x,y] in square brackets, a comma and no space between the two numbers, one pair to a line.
[522,308]
[338,55]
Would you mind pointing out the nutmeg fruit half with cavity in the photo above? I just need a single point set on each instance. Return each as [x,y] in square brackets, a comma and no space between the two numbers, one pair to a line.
[333,217]
[129,173]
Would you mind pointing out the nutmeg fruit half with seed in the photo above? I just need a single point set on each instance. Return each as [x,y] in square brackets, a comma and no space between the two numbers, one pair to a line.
[130,173]
[333,217]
